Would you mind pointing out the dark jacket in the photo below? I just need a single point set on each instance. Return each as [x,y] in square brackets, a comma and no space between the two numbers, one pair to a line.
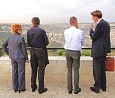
[37,38]
[100,39]
[15,47]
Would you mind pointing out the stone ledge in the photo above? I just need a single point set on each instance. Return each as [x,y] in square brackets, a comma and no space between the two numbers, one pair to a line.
[52,58]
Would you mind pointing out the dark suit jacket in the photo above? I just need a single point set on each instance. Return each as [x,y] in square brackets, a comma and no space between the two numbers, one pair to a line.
[15,47]
[100,39]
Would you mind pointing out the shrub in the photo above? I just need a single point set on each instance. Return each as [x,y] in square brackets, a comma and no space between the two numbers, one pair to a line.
[86,53]
[1,52]
[61,52]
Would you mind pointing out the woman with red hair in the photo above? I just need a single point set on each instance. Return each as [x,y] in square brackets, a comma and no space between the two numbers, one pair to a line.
[16,49]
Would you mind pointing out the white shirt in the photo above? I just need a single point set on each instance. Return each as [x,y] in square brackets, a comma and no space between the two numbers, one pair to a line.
[74,39]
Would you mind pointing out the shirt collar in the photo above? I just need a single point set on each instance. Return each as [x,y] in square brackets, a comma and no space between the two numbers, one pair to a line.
[99,20]
[35,26]
[73,27]
[17,33]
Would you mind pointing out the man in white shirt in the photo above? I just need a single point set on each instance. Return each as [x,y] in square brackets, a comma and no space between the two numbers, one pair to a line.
[74,39]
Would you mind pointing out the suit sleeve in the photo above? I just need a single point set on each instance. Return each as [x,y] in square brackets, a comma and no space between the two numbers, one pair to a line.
[5,47]
[24,50]
[96,33]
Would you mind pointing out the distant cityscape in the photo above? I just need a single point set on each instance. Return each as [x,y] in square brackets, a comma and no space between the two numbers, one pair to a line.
[55,33]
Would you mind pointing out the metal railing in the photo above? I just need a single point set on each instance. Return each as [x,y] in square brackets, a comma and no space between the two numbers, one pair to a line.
[53,48]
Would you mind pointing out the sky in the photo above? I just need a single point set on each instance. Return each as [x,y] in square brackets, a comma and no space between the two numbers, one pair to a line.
[54,11]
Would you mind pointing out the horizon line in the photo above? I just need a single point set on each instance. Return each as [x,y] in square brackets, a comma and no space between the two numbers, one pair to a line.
[49,23]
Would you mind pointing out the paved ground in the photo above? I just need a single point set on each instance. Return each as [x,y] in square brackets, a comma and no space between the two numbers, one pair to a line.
[55,81]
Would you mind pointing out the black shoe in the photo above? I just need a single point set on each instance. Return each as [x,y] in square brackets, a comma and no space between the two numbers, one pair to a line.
[103,89]
[15,90]
[34,88]
[22,90]
[70,92]
[94,90]
[76,92]
[42,91]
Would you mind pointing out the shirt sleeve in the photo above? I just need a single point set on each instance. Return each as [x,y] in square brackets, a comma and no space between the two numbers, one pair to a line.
[45,38]
[28,39]
[82,38]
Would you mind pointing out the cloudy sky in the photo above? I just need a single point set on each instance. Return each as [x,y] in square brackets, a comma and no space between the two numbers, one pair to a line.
[54,11]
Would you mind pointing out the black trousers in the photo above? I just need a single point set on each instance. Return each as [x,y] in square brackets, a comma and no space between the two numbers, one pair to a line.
[37,65]
[99,72]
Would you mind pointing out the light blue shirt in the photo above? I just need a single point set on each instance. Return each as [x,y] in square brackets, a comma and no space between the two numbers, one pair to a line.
[74,39]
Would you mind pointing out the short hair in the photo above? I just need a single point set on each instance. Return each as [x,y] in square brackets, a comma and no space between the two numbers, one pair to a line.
[97,13]
[35,20]
[72,19]
[15,28]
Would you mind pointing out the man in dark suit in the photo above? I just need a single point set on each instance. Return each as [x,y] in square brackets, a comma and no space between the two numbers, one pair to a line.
[37,40]
[100,47]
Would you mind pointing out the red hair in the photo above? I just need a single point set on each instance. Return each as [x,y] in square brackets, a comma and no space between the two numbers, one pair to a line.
[16,27]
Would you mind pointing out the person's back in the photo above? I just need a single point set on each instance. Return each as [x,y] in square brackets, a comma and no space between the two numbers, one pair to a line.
[73,38]
[73,42]
[37,40]
[15,50]
[37,37]
[15,47]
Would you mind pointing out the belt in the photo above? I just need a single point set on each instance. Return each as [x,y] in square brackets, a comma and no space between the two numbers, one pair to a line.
[36,48]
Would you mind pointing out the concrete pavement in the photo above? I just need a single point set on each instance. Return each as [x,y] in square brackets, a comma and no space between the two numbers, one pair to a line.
[55,81]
